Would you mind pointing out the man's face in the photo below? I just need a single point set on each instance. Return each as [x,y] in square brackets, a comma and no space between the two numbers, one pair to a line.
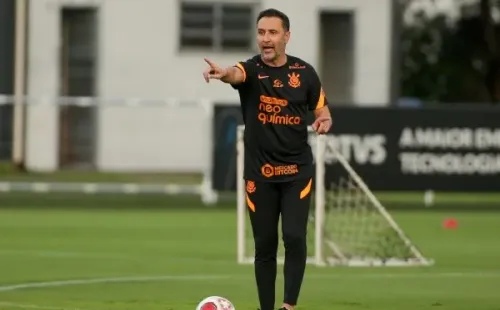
[271,38]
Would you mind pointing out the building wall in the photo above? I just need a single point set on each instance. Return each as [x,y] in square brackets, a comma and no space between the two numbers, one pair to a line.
[139,57]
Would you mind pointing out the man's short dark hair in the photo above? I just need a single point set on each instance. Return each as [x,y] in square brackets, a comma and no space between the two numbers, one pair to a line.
[285,21]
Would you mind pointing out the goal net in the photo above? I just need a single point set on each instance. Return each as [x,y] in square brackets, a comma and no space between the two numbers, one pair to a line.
[347,224]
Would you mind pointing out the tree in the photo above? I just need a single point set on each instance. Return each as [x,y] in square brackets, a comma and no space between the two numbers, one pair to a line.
[452,61]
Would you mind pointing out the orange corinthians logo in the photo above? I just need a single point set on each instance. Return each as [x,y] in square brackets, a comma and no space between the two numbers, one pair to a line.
[251,187]
[294,80]
[270,112]
[270,171]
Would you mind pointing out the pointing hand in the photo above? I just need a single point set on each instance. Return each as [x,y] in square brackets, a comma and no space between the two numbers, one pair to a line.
[213,71]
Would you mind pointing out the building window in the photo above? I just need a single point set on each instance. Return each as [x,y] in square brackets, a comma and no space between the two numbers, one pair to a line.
[78,65]
[217,26]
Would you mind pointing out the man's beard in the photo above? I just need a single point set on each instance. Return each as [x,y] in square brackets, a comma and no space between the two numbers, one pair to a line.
[270,56]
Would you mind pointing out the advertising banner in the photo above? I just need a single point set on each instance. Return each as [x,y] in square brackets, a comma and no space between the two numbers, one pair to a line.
[445,149]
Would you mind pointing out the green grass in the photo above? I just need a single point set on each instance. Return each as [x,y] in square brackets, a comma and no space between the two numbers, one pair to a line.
[11,174]
[101,177]
[53,244]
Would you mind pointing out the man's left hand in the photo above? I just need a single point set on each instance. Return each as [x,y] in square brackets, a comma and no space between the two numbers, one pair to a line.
[322,125]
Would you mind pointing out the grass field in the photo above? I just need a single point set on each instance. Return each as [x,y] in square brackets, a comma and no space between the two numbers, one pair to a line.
[11,174]
[59,252]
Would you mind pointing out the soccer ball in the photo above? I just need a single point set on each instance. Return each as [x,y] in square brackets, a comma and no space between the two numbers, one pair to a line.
[215,303]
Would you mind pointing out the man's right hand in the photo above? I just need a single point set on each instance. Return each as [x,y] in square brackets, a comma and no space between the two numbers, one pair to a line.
[213,71]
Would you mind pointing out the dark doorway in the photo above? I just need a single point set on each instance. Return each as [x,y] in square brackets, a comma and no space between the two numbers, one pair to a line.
[78,78]
[337,52]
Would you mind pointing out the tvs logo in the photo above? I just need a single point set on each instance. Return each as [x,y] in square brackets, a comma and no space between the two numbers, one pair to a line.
[294,80]
[277,84]
[251,187]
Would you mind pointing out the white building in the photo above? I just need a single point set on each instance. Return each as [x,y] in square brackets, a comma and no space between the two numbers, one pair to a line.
[146,49]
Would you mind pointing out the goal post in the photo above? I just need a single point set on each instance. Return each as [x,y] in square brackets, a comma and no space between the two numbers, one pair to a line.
[348,226]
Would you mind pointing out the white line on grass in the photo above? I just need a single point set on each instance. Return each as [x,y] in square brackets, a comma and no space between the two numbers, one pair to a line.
[63,283]
[478,274]
[61,254]
[20,286]
[101,255]
[31,306]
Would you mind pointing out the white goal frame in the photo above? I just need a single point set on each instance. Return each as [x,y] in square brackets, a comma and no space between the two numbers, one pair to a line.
[318,258]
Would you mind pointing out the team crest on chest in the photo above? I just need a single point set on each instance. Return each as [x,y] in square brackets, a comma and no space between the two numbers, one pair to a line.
[294,80]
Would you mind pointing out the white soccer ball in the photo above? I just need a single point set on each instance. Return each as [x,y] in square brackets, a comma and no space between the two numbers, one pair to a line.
[215,303]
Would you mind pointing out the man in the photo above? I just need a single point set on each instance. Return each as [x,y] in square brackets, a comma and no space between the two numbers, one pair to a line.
[276,92]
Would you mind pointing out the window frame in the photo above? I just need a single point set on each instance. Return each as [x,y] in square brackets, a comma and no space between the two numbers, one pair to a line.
[217,30]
